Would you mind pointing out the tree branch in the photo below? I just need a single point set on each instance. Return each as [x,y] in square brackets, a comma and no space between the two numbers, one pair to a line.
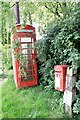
[49,8]
[56,12]
[30,18]
[57,9]
[12,5]
[64,3]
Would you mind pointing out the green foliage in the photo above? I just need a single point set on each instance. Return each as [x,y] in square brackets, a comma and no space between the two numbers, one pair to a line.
[22,72]
[18,55]
[16,49]
[6,22]
[76,108]
[3,75]
[15,44]
[7,56]
[78,85]
[59,46]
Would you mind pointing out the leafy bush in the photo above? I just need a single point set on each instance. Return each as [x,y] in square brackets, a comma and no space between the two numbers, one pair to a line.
[7,56]
[76,107]
[59,46]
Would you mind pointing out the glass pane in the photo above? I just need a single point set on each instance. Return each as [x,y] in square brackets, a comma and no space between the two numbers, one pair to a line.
[24,51]
[24,45]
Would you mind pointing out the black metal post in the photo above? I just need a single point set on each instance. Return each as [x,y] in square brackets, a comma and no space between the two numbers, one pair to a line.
[17,13]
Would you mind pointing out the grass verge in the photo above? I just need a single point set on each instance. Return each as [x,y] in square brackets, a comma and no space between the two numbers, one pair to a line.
[32,102]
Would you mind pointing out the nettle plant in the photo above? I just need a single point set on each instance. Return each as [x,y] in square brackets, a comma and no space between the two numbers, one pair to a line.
[18,55]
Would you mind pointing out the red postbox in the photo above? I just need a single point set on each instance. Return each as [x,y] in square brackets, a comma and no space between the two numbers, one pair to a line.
[60,77]
[25,66]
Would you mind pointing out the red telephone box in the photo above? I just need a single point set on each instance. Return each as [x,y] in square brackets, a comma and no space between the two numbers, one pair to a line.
[60,77]
[25,66]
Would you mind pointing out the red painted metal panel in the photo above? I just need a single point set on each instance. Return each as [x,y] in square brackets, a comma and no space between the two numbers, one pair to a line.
[60,77]
[27,38]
